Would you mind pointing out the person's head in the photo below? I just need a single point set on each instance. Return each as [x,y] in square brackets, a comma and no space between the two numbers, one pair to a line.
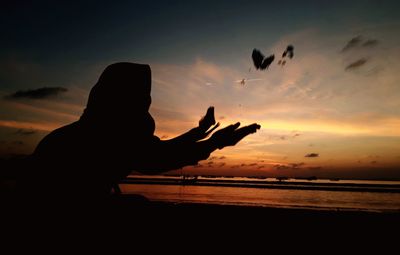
[121,94]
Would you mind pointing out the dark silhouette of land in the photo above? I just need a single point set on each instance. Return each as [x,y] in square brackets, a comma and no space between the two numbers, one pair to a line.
[84,161]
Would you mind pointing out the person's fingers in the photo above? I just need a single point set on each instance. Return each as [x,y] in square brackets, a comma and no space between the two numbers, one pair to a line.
[235,126]
[253,127]
[232,134]
[208,120]
[210,111]
[246,130]
[212,129]
[212,115]
[231,128]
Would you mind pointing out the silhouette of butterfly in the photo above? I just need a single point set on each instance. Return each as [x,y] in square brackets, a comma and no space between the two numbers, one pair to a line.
[289,51]
[259,60]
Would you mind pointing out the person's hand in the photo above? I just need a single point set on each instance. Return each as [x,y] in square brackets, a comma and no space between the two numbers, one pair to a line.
[232,134]
[206,122]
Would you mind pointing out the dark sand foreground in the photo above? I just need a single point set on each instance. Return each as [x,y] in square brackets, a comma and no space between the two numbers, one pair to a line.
[134,207]
[198,215]
[133,218]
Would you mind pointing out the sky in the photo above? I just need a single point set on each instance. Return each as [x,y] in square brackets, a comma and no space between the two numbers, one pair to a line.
[332,111]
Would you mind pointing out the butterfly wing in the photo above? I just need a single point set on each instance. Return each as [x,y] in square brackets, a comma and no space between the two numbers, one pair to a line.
[265,64]
[258,58]
[290,50]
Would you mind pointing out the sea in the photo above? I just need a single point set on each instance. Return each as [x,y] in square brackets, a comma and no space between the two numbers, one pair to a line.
[312,193]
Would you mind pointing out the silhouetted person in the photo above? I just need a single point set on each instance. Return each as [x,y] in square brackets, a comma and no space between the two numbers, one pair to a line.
[114,136]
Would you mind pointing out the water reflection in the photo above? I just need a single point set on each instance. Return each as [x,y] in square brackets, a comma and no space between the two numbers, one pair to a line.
[268,197]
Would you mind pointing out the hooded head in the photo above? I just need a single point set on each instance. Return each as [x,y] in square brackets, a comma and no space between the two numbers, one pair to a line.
[121,95]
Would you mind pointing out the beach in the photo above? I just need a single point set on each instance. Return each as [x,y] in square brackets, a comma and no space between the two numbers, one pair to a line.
[248,203]
[343,195]
[224,218]
[152,205]
[151,217]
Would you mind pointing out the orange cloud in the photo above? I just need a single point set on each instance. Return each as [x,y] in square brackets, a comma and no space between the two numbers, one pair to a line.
[30,125]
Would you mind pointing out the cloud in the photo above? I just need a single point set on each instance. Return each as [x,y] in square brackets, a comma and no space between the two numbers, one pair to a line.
[277,137]
[297,165]
[46,126]
[289,136]
[370,43]
[314,167]
[356,64]
[312,155]
[358,41]
[222,157]
[40,93]
[25,132]
[354,42]
[281,167]
[289,166]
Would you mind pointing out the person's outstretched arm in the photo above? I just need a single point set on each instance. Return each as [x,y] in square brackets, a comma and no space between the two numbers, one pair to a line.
[170,155]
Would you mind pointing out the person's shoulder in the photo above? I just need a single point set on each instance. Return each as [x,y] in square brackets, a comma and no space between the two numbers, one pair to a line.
[64,133]
[65,129]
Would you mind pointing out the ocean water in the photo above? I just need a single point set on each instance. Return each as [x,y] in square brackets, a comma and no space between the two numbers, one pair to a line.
[316,194]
